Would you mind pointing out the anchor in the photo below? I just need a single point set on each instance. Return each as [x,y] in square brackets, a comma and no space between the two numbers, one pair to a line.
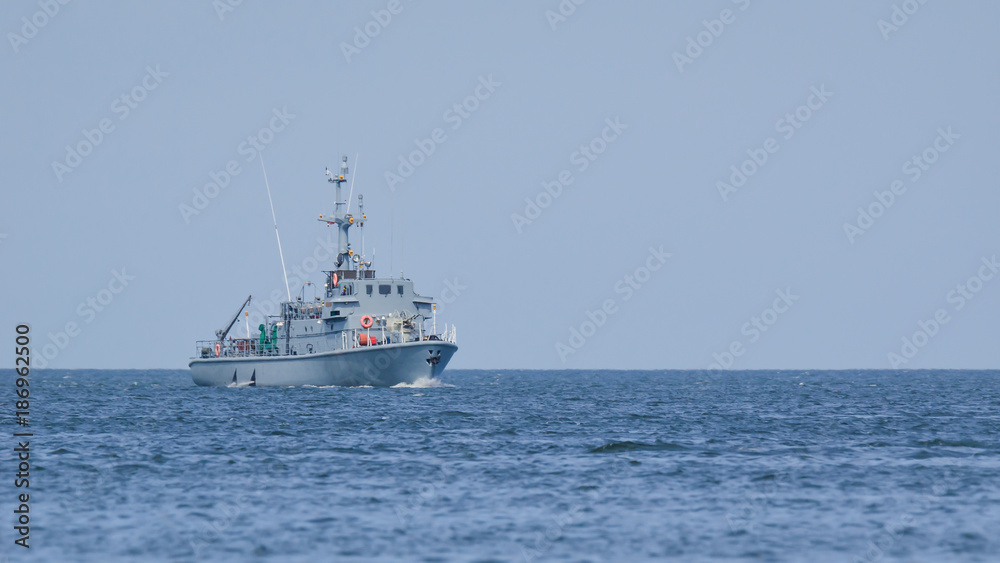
[433,360]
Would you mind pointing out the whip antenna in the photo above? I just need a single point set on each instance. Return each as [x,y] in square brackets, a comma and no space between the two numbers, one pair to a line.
[355,175]
[280,253]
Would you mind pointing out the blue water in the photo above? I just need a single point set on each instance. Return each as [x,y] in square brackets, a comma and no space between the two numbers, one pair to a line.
[515,466]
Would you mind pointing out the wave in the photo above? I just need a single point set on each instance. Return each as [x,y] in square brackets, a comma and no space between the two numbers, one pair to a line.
[422,383]
[616,447]
[308,386]
[968,443]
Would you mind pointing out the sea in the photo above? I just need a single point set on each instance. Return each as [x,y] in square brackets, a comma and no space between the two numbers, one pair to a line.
[502,465]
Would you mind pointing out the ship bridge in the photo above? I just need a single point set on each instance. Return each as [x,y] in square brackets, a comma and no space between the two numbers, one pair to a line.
[355,308]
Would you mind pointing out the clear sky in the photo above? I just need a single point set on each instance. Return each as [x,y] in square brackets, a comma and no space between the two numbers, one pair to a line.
[705,163]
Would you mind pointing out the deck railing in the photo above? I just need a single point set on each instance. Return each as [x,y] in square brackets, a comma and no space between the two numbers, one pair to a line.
[234,348]
[349,339]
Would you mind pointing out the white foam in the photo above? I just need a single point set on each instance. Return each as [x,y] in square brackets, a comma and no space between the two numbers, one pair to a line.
[308,386]
[422,383]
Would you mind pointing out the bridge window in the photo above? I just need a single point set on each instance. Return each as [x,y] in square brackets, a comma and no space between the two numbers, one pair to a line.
[369,289]
[384,289]
[399,289]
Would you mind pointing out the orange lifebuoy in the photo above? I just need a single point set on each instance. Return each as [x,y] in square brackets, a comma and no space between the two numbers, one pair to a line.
[366,321]
[218,349]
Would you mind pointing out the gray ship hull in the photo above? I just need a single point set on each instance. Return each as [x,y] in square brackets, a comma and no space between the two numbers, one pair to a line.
[378,366]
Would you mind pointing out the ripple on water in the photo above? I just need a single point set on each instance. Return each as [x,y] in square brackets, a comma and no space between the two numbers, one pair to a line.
[628,446]
[543,465]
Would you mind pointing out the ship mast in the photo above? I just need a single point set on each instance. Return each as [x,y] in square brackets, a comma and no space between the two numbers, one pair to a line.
[341,218]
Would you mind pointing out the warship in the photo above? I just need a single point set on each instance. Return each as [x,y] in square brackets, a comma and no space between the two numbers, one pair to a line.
[361,330]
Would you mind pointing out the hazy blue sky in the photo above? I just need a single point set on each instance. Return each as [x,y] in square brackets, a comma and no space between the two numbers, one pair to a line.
[694,91]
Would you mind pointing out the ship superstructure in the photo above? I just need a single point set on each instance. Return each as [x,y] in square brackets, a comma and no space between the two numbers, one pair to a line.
[360,329]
